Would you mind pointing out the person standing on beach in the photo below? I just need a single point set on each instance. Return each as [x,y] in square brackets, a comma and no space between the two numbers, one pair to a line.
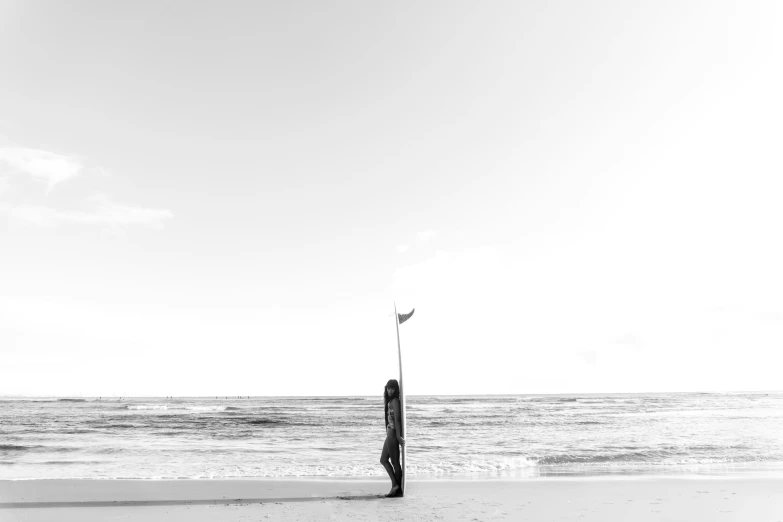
[390,457]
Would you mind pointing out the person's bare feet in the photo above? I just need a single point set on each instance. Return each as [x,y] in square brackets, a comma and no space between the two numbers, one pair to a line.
[395,491]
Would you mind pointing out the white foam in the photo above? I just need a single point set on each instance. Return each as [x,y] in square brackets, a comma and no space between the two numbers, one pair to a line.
[206,408]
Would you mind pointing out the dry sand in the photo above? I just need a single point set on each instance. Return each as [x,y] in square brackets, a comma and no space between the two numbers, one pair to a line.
[747,499]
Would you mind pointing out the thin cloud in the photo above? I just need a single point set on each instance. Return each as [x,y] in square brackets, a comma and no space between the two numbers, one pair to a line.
[106,212]
[403,248]
[53,168]
[48,166]
[426,236]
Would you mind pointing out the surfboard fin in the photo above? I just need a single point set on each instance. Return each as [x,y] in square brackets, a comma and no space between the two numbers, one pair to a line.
[404,317]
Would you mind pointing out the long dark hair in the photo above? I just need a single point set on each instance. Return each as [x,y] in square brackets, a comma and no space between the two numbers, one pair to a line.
[387,398]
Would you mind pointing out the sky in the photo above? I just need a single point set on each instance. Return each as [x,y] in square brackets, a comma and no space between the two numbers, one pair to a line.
[228,199]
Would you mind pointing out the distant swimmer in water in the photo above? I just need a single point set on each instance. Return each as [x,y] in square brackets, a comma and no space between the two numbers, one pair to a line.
[390,457]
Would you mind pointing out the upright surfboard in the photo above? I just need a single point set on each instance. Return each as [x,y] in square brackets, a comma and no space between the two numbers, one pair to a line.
[397,320]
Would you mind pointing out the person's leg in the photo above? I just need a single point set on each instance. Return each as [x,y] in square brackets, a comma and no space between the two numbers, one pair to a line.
[394,454]
[387,464]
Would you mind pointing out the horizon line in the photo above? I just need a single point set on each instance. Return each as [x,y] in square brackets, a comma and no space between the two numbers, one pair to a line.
[223,396]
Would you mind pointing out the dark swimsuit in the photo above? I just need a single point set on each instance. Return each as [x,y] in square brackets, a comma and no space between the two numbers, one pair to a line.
[390,418]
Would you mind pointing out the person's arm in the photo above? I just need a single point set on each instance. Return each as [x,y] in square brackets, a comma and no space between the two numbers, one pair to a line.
[398,420]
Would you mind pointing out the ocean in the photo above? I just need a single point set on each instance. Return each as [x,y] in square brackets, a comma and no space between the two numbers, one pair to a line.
[513,436]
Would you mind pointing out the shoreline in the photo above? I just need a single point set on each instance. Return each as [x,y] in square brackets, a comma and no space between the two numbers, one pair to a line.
[740,475]
[770,470]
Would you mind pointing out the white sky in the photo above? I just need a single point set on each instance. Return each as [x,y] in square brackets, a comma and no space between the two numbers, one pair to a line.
[224,199]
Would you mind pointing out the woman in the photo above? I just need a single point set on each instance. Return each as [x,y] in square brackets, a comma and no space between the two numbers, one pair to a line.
[391,448]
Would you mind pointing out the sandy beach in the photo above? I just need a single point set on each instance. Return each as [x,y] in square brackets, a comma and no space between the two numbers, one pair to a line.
[583,499]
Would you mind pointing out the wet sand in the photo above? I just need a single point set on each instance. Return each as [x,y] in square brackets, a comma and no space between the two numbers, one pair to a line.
[579,499]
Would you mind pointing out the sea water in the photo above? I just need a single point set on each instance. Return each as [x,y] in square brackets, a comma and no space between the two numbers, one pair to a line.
[448,436]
